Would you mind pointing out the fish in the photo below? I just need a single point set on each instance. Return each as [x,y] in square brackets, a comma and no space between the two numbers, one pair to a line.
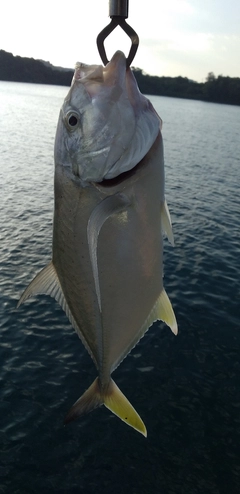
[110,212]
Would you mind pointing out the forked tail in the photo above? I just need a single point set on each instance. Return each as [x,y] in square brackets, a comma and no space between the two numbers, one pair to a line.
[113,399]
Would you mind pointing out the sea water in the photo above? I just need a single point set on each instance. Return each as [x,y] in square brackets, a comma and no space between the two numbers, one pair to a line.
[186,388]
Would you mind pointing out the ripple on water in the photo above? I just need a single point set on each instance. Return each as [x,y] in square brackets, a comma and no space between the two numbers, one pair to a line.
[187,388]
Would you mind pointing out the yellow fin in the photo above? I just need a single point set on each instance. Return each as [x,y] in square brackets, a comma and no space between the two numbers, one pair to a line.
[161,311]
[166,222]
[115,401]
[164,311]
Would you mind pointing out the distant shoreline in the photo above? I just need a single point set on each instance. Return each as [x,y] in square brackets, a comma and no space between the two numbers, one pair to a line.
[219,89]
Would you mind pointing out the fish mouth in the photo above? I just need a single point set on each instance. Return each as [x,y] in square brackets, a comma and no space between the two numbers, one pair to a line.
[118,124]
[115,70]
[116,59]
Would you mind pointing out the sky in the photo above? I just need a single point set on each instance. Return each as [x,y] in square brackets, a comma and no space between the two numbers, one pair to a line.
[177,37]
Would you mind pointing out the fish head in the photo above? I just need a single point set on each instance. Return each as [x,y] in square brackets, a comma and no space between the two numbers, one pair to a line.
[106,126]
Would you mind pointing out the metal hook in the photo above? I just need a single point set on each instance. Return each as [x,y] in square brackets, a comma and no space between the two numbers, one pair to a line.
[118,11]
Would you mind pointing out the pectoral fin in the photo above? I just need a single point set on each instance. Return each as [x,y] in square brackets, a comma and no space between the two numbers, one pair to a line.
[113,399]
[109,206]
[166,222]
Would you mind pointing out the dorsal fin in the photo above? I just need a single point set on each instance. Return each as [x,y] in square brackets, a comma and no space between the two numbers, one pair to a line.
[47,282]
[109,206]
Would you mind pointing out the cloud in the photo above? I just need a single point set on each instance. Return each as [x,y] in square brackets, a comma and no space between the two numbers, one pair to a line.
[177,37]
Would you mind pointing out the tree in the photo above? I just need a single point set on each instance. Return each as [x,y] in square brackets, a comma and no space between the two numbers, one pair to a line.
[210,77]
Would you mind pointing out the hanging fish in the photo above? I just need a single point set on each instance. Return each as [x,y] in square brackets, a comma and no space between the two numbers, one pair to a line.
[106,269]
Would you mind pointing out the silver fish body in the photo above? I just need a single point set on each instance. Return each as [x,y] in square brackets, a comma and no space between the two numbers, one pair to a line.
[110,209]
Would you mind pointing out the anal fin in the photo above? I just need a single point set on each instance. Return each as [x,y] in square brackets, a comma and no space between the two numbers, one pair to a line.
[161,311]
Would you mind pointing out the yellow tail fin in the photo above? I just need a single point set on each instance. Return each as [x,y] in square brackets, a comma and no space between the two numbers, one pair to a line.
[113,399]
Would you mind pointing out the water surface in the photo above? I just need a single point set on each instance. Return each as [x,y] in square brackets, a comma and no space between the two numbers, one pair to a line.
[186,388]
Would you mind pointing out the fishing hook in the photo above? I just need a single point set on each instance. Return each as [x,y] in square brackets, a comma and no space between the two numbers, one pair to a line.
[118,12]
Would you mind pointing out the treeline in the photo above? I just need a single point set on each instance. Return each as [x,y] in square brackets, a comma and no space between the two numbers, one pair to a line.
[19,69]
[219,89]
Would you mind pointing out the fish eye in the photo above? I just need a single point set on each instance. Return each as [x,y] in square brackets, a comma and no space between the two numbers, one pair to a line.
[72,120]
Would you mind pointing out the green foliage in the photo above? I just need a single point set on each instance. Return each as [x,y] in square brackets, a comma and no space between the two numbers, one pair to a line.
[180,87]
[216,89]
[222,90]
[219,89]
[29,70]
[210,77]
